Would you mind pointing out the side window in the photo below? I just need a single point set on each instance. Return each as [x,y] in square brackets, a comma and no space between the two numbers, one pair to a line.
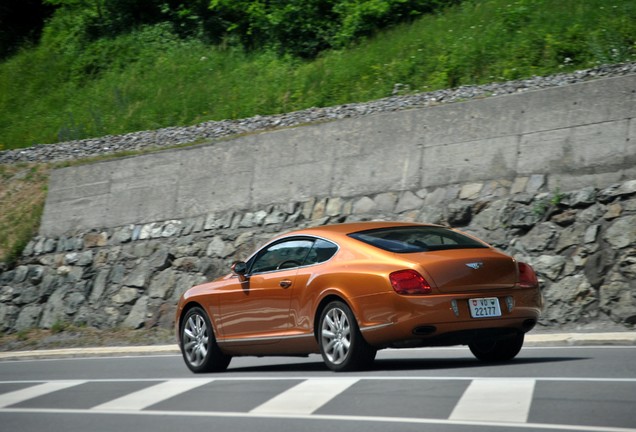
[285,254]
[321,252]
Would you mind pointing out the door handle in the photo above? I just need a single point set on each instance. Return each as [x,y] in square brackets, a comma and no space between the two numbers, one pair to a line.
[285,283]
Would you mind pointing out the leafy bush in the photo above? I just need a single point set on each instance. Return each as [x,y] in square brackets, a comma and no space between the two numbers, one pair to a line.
[306,27]
[297,27]
[71,87]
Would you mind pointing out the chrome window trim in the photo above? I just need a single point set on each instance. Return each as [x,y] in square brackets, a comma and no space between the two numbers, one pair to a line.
[290,237]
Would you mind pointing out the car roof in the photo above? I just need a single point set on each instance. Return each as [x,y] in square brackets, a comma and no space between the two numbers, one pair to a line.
[338,233]
[351,227]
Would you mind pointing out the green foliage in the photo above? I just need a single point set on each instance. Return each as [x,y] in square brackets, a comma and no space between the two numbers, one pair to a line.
[297,27]
[22,335]
[24,230]
[557,197]
[22,194]
[541,206]
[304,28]
[59,326]
[364,18]
[74,85]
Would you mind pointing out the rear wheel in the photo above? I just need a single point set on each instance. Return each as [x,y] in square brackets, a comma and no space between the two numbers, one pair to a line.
[198,345]
[497,349]
[341,343]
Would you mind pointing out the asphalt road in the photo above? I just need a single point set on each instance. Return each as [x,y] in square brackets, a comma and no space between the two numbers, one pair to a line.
[442,389]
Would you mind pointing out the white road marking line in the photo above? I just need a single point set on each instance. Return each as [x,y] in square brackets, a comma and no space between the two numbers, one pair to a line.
[331,418]
[18,396]
[360,378]
[151,395]
[495,400]
[306,397]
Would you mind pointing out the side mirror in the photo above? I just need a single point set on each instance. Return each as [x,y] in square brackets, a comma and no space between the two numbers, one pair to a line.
[239,268]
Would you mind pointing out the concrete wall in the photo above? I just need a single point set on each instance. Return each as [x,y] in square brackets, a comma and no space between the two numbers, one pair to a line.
[578,135]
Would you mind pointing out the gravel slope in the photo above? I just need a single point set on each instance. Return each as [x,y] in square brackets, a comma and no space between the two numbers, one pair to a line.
[172,136]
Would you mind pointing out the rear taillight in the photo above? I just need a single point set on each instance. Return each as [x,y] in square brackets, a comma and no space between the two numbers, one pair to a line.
[527,276]
[409,282]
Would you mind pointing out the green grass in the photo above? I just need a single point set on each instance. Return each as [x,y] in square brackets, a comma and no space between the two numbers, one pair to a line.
[150,79]
[22,196]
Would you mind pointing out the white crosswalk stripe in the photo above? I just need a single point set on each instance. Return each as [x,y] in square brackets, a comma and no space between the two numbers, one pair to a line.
[306,397]
[488,402]
[502,400]
[18,396]
[149,396]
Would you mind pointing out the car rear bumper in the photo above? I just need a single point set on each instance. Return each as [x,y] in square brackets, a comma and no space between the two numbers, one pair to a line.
[439,320]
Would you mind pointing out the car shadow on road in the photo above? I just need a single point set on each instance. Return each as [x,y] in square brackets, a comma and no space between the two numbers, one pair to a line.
[406,364]
[454,363]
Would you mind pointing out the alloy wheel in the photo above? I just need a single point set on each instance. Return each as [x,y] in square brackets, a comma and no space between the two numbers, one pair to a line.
[336,335]
[196,340]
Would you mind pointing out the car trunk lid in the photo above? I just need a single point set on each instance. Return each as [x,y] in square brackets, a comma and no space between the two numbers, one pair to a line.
[465,270]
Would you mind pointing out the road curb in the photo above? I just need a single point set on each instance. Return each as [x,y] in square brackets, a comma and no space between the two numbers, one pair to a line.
[610,338]
[91,352]
[539,339]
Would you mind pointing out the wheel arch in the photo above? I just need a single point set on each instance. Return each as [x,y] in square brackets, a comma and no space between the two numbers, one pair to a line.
[321,307]
[186,308]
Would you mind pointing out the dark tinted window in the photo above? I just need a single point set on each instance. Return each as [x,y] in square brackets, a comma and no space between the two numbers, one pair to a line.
[321,252]
[285,254]
[416,239]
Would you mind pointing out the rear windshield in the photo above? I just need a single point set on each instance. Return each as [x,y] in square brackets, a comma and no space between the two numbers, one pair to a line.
[407,239]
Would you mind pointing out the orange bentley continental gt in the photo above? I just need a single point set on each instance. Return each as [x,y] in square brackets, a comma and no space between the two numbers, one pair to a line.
[349,290]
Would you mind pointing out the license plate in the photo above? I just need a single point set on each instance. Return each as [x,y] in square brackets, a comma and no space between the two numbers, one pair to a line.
[484,307]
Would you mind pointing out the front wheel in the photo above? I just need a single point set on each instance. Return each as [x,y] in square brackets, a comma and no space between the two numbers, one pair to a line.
[341,343]
[198,345]
[497,350]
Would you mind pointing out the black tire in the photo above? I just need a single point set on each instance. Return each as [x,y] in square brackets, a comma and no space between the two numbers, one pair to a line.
[198,344]
[341,344]
[497,350]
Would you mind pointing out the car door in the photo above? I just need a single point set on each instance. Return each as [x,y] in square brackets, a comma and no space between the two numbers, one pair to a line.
[303,299]
[257,310]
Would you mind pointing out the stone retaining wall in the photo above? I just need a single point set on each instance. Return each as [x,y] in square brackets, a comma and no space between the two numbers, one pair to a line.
[581,242]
